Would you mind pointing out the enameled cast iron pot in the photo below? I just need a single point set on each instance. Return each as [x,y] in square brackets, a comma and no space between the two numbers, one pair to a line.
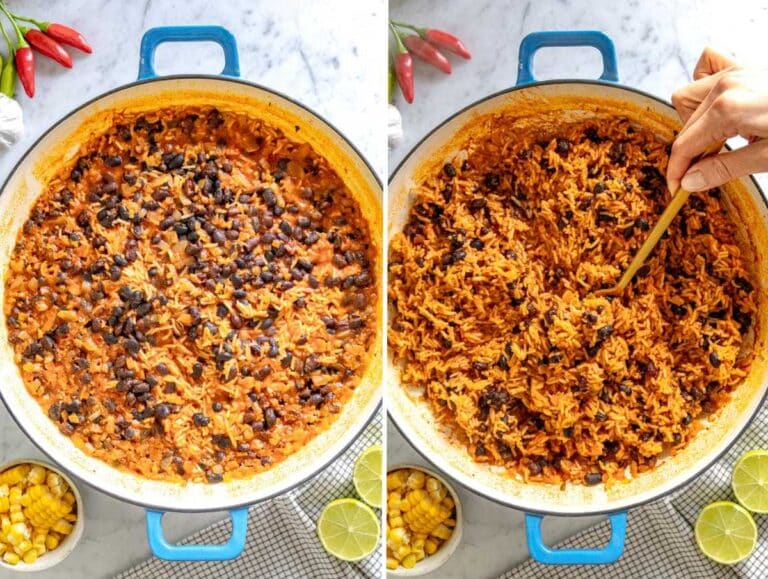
[57,147]
[544,104]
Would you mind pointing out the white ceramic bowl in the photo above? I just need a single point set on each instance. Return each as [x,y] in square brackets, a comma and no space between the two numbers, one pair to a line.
[50,558]
[433,562]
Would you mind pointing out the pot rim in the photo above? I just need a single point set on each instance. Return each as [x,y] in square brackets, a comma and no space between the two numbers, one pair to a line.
[511,503]
[353,434]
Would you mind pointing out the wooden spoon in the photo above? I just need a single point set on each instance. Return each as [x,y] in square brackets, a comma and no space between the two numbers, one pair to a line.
[677,202]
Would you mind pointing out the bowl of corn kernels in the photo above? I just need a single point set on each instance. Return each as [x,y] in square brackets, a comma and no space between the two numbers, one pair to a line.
[424,520]
[41,516]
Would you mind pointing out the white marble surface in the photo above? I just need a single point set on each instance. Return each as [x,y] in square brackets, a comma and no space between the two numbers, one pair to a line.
[327,57]
[657,44]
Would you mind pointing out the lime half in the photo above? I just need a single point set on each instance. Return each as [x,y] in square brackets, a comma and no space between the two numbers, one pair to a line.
[348,529]
[726,532]
[367,476]
[750,480]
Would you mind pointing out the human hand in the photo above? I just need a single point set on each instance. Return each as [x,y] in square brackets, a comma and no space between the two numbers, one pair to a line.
[723,101]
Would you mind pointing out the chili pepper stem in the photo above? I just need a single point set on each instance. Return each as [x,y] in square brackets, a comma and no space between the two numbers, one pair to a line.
[398,39]
[20,41]
[419,30]
[39,23]
[7,39]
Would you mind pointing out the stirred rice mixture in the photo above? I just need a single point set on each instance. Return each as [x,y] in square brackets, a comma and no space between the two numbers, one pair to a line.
[494,316]
[195,298]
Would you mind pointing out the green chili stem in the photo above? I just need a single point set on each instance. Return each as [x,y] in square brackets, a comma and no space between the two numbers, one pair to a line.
[7,39]
[20,42]
[420,31]
[400,46]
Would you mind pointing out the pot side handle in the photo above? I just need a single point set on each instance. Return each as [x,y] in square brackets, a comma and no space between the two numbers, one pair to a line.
[156,36]
[536,40]
[544,554]
[232,549]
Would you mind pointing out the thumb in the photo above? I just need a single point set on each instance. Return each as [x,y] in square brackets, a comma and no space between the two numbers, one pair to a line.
[715,170]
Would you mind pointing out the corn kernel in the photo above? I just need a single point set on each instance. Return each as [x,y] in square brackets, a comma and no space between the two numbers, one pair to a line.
[402,552]
[30,556]
[23,547]
[14,495]
[392,563]
[11,558]
[416,479]
[65,528]
[419,553]
[36,475]
[396,522]
[4,504]
[409,561]
[430,546]
[441,532]
[51,542]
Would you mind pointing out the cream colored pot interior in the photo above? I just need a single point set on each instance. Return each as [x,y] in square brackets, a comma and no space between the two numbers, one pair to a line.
[60,146]
[550,104]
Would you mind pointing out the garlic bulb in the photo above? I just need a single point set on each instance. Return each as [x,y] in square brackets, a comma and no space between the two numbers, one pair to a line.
[394,127]
[11,122]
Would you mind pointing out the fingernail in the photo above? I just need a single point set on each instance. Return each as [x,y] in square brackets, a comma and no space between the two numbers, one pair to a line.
[693,180]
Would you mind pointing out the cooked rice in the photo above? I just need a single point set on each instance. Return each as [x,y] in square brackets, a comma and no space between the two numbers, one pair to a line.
[494,315]
[195,298]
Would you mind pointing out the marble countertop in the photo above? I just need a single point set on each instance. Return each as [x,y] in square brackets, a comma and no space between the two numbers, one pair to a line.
[657,45]
[328,64]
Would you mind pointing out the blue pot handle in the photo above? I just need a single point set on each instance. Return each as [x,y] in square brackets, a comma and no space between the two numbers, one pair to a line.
[536,40]
[156,36]
[229,550]
[608,554]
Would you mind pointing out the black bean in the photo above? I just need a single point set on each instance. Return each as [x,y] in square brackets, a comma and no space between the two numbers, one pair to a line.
[604,332]
[129,433]
[678,310]
[714,359]
[162,410]
[197,370]
[594,349]
[594,478]
[269,418]
[54,411]
[624,389]
[113,161]
[213,477]
[643,271]
[477,244]
[562,146]
[477,204]
[217,406]
[131,345]
[173,161]
[600,417]
[449,170]
[492,180]
[286,228]
[269,197]
[744,284]
[200,419]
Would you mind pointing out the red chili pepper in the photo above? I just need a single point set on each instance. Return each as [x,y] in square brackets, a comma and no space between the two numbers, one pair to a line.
[65,35]
[426,52]
[449,42]
[25,66]
[47,46]
[403,67]
[439,39]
